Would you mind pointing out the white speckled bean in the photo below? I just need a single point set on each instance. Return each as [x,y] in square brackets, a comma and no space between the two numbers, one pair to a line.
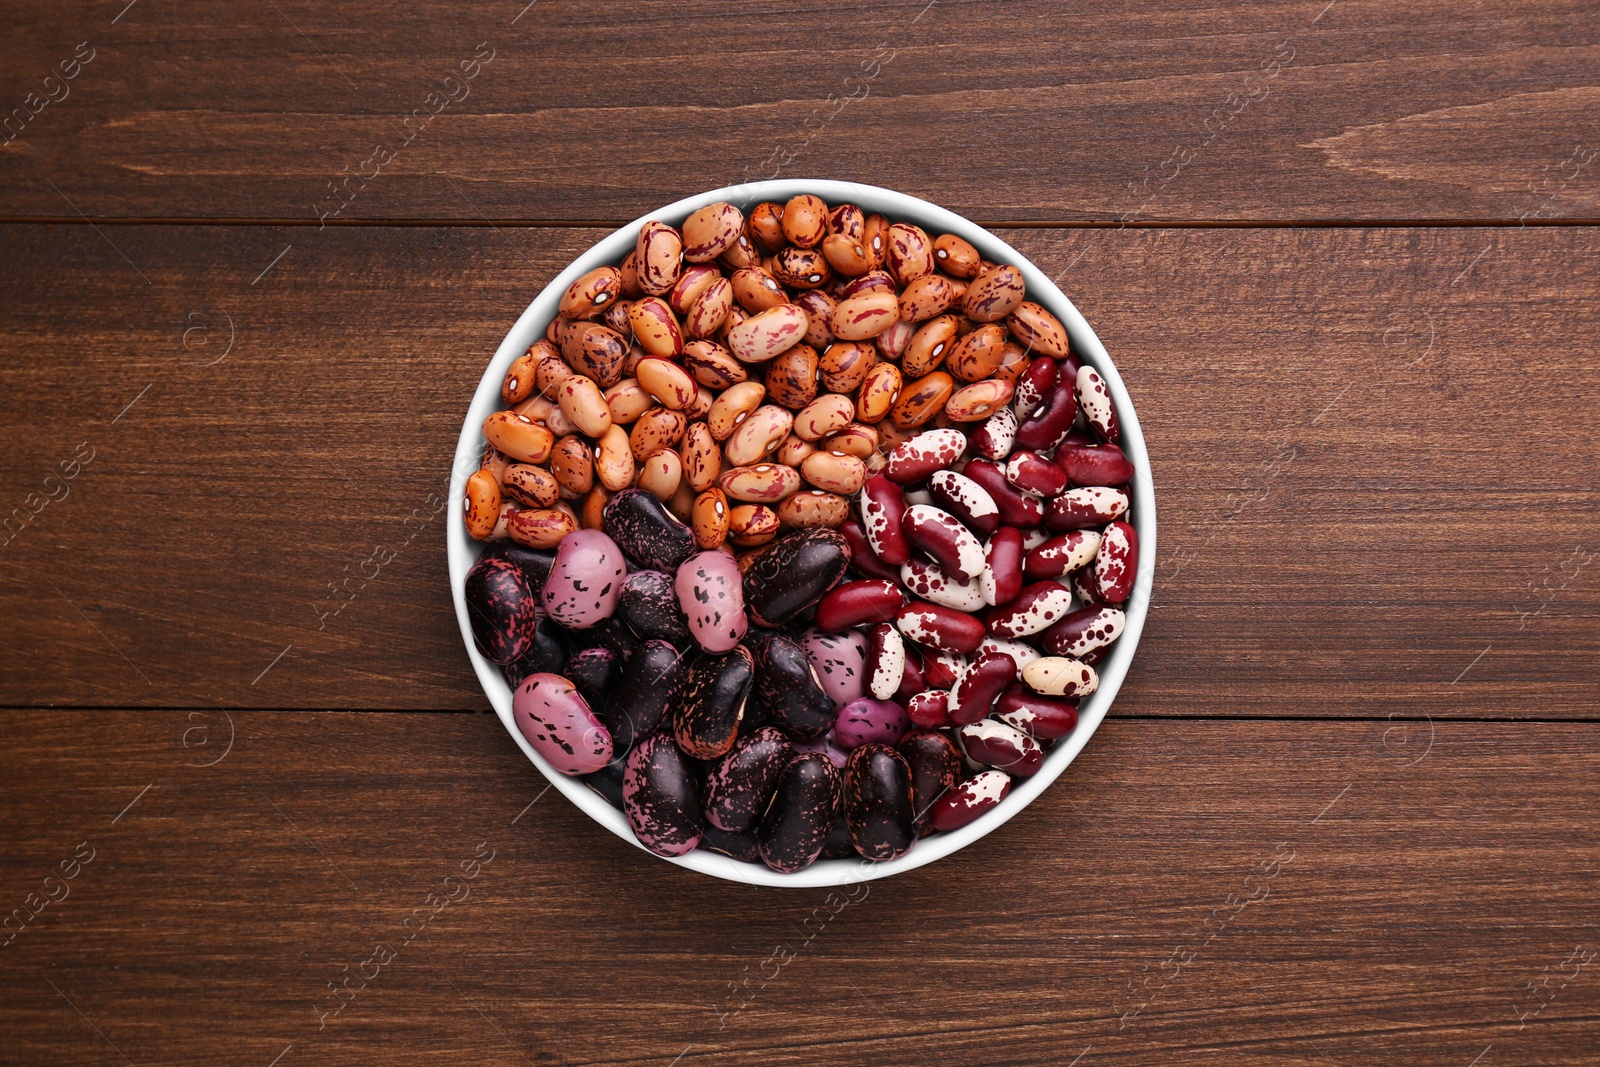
[1020,653]
[928,581]
[711,594]
[585,580]
[1060,676]
[1094,398]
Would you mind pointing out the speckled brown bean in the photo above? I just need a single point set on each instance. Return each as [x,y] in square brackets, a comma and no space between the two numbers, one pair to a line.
[793,451]
[594,350]
[655,327]
[767,335]
[702,459]
[667,382]
[518,436]
[613,460]
[480,504]
[929,346]
[572,466]
[736,404]
[792,377]
[615,315]
[925,297]
[956,257]
[752,524]
[591,509]
[712,365]
[819,308]
[846,255]
[661,474]
[922,400]
[801,268]
[711,231]
[874,281]
[857,439]
[549,369]
[823,416]
[519,380]
[656,429]
[812,508]
[660,252]
[875,238]
[756,290]
[978,400]
[701,406]
[765,225]
[709,310]
[591,294]
[977,355]
[710,518]
[909,255]
[865,315]
[847,219]
[758,435]
[834,472]
[760,483]
[845,364]
[541,528]
[582,402]
[742,253]
[994,294]
[627,401]
[629,271]
[694,281]
[1039,330]
[805,220]
[879,390]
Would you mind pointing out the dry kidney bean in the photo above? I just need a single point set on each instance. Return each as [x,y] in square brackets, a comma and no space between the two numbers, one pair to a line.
[1116,563]
[862,557]
[1021,654]
[929,709]
[1036,383]
[739,787]
[1040,717]
[752,524]
[939,627]
[1094,396]
[834,472]
[1093,464]
[1084,631]
[929,581]
[1001,580]
[762,483]
[1062,554]
[867,315]
[1036,608]
[1060,676]
[660,799]
[977,689]
[711,231]
[1016,509]
[656,429]
[879,389]
[945,669]
[1049,423]
[965,499]
[659,259]
[995,438]
[702,459]
[823,416]
[1090,506]
[916,459]
[592,293]
[757,435]
[935,764]
[667,382]
[885,662]
[852,604]
[557,722]
[661,474]
[736,404]
[943,537]
[978,401]
[481,503]
[965,802]
[1001,746]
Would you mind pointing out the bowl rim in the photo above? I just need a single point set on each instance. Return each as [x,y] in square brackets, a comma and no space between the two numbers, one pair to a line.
[530,325]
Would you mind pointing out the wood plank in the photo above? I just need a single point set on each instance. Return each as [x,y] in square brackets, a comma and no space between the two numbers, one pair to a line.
[1355,512]
[1363,109]
[1390,913]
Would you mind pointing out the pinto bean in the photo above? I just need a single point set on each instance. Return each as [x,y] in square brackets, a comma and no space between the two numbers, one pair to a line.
[591,294]
[978,401]
[594,350]
[794,450]
[667,382]
[994,294]
[805,220]
[660,257]
[819,307]
[879,389]
[768,334]
[801,268]
[867,315]
[711,231]
[978,354]
[661,474]
[846,255]
[655,327]
[929,345]
[540,528]
[856,439]
[613,460]
[823,416]
[572,466]
[834,472]
[519,436]
[710,309]
[519,381]
[763,483]
[480,503]
[627,400]
[737,403]
[922,399]
[656,429]
[756,290]
[811,508]
[1039,330]
[709,518]
[752,524]
[755,437]
[702,459]
[713,366]
[909,254]
[925,297]
[765,226]
[845,364]
[955,256]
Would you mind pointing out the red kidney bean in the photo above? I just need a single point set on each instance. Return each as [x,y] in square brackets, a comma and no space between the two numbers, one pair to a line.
[856,603]
[1001,580]
[1081,583]
[1088,506]
[885,666]
[930,709]
[926,579]
[882,506]
[995,438]
[1084,631]
[1093,464]
[1116,563]
[997,744]
[1036,608]
[966,500]
[912,682]
[862,557]
[914,460]
[1016,509]
[942,671]
[1033,474]
[941,535]
[1045,428]
[940,627]
[1040,717]
[878,803]
[1034,385]
[966,801]
[977,689]
[935,763]
[1062,554]
[1094,396]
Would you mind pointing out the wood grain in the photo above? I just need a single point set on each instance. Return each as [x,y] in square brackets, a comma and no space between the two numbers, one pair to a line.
[1395,912]
[1375,456]
[1360,109]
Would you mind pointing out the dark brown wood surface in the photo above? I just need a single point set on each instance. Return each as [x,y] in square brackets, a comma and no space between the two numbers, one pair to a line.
[1344,255]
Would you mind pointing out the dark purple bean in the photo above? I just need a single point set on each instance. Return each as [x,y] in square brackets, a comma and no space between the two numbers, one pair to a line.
[787,690]
[878,804]
[502,608]
[740,785]
[595,672]
[547,654]
[741,846]
[649,605]
[803,810]
[646,531]
[936,766]
[793,575]
[644,693]
[659,798]
[710,702]
[607,781]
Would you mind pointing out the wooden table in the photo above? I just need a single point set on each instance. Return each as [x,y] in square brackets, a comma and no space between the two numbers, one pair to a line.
[255,257]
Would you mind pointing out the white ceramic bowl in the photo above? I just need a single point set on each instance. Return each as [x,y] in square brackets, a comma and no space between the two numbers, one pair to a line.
[897,207]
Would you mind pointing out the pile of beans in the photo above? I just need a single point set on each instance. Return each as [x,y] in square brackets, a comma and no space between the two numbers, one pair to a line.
[805,534]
